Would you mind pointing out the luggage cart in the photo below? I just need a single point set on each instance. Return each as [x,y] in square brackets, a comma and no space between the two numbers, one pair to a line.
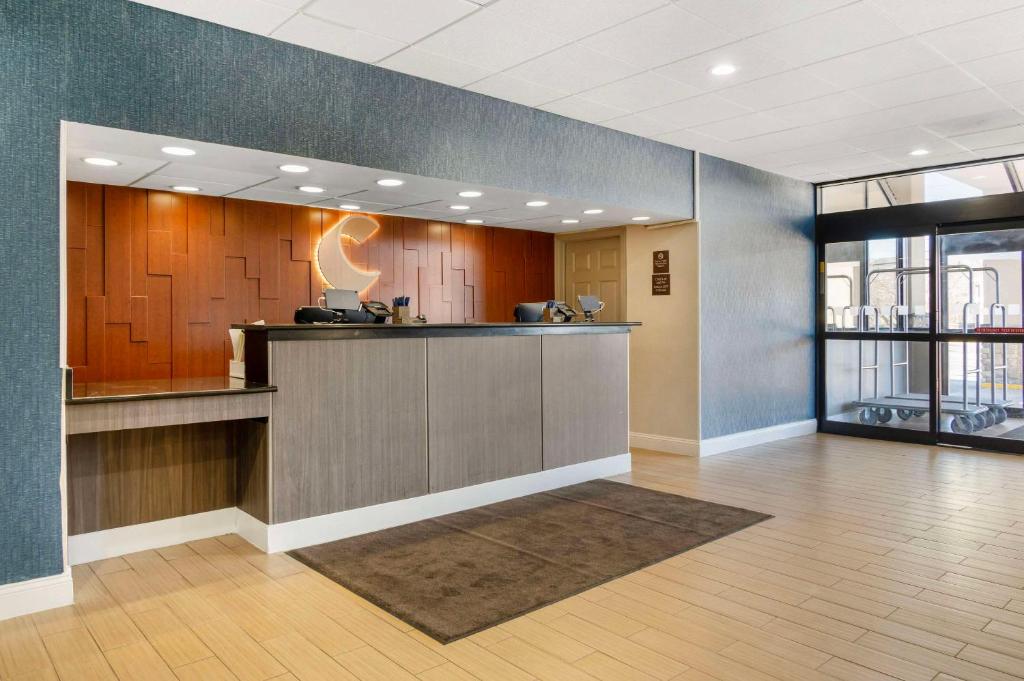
[839,314]
[968,417]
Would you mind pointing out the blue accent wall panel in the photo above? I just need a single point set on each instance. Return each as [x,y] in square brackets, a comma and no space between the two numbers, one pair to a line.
[756,298]
[125,65]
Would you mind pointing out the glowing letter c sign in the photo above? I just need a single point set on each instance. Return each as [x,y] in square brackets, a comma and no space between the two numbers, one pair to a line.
[334,265]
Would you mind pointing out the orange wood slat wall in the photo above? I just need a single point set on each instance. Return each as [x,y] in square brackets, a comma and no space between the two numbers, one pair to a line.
[156,278]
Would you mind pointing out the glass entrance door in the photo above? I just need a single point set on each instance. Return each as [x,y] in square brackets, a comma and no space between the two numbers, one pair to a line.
[979,373]
[922,336]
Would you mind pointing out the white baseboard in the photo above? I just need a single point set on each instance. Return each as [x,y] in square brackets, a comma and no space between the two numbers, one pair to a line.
[749,438]
[333,526]
[33,595]
[85,548]
[664,443]
[725,443]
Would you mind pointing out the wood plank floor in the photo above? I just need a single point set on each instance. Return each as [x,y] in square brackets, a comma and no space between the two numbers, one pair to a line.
[884,561]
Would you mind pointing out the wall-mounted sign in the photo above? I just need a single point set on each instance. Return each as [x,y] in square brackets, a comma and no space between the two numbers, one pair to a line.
[661,284]
[661,261]
[334,265]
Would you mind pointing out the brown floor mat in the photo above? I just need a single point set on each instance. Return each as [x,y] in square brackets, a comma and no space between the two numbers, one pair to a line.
[458,574]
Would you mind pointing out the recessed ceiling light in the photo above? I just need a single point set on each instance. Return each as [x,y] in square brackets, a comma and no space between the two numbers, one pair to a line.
[390,182]
[184,188]
[293,168]
[459,206]
[978,177]
[471,194]
[569,221]
[100,161]
[536,204]
[178,151]
[919,152]
[723,70]
[474,221]
[641,218]
[310,189]
[349,206]
[593,211]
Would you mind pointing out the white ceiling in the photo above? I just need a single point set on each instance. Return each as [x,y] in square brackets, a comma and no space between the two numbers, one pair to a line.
[219,170]
[825,89]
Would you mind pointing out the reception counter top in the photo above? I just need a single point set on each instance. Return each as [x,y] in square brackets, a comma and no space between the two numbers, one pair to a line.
[160,389]
[340,331]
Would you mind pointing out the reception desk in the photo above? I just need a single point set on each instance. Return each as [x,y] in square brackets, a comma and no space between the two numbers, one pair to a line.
[361,427]
[366,415]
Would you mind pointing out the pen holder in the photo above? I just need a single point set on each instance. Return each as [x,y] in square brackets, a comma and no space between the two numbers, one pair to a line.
[400,315]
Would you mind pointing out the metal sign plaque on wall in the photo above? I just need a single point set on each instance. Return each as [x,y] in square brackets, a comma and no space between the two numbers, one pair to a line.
[660,261]
[661,284]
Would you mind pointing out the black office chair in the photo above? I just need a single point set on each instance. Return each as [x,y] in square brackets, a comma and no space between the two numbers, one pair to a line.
[529,312]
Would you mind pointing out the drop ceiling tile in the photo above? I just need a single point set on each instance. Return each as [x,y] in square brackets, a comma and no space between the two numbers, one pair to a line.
[131,168]
[417,62]
[415,212]
[689,139]
[992,138]
[659,37]
[638,124]
[750,62]
[364,206]
[773,91]
[254,16]
[861,124]
[583,109]
[519,213]
[642,91]
[823,36]
[918,16]
[575,19]
[403,20]
[821,109]
[320,35]
[813,153]
[1011,92]
[291,183]
[504,86]
[385,195]
[696,111]
[775,142]
[998,69]
[909,138]
[900,152]
[748,125]
[573,68]
[294,5]
[854,164]
[982,37]
[203,173]
[990,120]
[948,80]
[495,38]
[167,182]
[876,64]
[950,106]
[744,17]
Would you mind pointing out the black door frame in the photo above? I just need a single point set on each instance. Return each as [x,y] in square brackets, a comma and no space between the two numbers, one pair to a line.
[930,220]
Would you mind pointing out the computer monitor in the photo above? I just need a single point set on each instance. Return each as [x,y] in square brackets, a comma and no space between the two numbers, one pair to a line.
[341,299]
[530,312]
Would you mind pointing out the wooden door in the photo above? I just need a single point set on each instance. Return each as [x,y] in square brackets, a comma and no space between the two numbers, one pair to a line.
[593,267]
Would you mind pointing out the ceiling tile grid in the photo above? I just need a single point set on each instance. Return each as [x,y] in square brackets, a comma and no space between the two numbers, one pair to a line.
[822,89]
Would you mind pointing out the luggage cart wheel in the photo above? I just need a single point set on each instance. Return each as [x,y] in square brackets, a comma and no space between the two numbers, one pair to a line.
[1000,413]
[905,414]
[990,418]
[884,414]
[962,424]
[918,412]
[868,417]
[978,420]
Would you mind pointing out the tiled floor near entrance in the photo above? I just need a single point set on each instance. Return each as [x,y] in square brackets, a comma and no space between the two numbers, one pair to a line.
[884,561]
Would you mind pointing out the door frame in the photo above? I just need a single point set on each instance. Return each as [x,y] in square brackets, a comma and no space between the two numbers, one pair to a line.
[930,220]
[564,238]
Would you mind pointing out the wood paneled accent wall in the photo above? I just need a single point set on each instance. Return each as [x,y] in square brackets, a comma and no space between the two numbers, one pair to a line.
[156,278]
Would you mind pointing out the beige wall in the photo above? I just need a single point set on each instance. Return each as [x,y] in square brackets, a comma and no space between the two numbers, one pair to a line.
[664,366]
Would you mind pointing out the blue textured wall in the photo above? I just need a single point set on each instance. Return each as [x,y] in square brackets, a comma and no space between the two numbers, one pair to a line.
[756,298]
[120,64]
